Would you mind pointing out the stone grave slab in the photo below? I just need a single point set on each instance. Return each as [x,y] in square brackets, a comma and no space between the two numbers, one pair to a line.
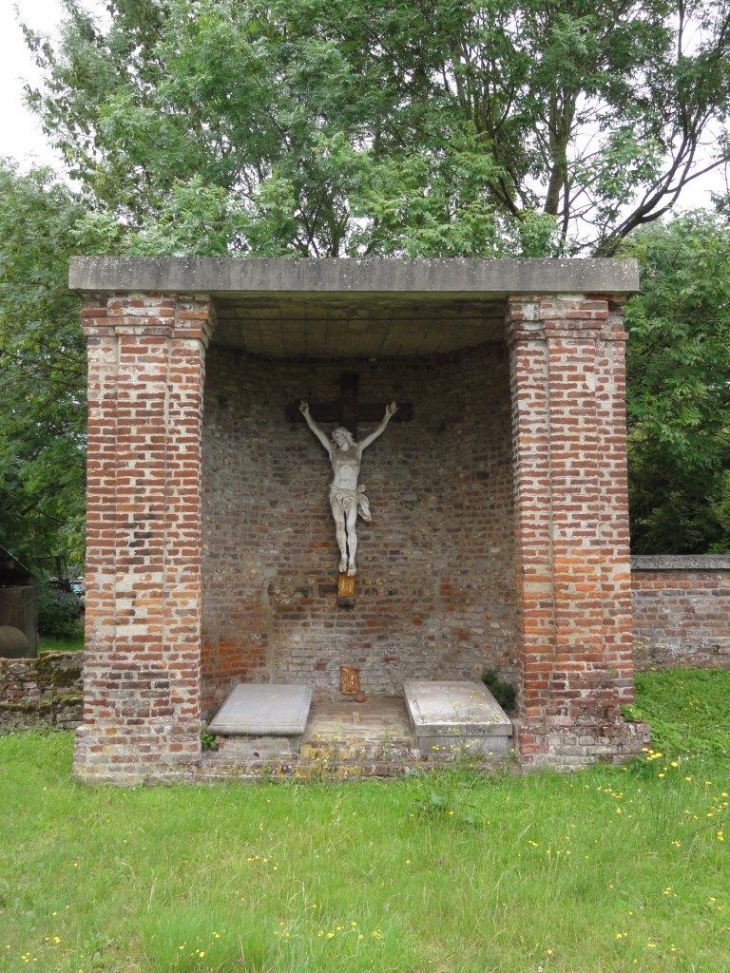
[456,715]
[263,710]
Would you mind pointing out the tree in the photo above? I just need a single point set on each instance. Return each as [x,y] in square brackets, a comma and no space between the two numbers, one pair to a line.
[338,127]
[452,128]
[42,369]
[679,388]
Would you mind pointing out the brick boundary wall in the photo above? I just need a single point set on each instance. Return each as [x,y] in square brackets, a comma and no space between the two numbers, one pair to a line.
[42,692]
[681,611]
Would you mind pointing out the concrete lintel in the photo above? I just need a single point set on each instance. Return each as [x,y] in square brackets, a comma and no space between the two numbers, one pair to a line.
[394,277]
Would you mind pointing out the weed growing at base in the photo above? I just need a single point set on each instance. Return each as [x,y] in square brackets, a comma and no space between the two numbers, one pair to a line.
[608,870]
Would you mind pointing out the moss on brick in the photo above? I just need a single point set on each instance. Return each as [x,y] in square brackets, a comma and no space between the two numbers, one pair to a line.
[43,705]
[54,672]
[42,692]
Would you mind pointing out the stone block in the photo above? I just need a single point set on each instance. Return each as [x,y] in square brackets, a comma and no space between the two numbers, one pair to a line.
[264,710]
[459,717]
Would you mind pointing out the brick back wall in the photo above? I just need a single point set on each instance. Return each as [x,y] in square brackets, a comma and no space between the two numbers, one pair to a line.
[435,566]
[681,611]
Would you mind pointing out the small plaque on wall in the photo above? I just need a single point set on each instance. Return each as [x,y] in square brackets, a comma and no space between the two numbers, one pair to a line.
[349,681]
[346,590]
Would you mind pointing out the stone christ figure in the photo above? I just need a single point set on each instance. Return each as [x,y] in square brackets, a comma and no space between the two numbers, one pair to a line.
[347,496]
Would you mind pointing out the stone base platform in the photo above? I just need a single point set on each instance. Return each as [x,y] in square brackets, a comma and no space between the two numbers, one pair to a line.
[342,740]
[376,731]
[461,717]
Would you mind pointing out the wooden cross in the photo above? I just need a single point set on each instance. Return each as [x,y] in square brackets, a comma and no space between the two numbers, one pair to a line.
[348,411]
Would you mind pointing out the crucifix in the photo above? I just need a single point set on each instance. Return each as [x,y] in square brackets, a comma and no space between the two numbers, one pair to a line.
[347,411]
[347,495]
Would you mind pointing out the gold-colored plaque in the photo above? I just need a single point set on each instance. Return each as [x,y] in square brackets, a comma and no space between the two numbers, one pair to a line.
[349,681]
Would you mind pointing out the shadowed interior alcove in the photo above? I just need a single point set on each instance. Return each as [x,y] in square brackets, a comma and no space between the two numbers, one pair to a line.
[435,585]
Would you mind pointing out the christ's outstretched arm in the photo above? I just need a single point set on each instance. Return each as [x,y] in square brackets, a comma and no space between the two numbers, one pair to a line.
[390,411]
[304,409]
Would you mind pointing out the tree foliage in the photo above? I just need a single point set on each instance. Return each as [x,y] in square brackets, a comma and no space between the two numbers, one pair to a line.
[337,127]
[679,388]
[453,128]
[42,369]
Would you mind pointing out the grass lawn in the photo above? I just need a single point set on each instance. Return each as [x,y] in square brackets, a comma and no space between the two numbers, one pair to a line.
[604,871]
[49,644]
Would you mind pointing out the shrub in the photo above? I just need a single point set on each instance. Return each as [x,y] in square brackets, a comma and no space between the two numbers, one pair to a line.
[59,614]
[505,694]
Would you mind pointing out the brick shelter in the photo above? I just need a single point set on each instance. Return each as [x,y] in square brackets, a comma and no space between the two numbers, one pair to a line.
[500,522]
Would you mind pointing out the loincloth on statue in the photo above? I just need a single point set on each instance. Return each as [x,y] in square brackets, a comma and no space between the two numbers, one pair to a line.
[351,498]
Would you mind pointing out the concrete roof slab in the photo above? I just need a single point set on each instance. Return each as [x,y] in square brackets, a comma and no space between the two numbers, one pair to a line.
[392,277]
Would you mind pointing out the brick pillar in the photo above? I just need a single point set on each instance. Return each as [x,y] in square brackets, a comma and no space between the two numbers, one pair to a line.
[143,584]
[571,523]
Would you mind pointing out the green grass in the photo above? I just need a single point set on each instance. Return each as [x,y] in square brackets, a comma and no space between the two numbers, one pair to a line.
[605,871]
[688,711]
[49,644]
